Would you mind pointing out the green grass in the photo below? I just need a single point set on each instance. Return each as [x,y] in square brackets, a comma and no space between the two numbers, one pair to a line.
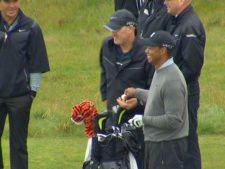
[53,152]
[74,37]
[73,31]
[212,151]
[68,152]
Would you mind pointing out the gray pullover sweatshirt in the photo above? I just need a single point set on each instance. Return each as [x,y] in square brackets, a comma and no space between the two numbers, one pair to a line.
[166,112]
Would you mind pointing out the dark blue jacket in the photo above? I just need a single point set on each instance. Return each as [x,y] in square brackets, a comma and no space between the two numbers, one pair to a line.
[136,72]
[22,51]
[189,51]
[153,17]
[130,5]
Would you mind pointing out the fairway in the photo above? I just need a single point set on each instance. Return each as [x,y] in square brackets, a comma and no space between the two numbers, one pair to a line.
[73,31]
[68,152]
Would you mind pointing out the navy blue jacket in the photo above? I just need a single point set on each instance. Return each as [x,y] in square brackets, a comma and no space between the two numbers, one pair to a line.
[153,17]
[130,5]
[22,51]
[189,51]
[136,72]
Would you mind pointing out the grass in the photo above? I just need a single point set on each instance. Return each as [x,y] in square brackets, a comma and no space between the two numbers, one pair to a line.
[74,37]
[212,151]
[53,153]
[73,31]
[68,152]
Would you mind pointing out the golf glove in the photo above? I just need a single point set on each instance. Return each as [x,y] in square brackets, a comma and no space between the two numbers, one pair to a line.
[136,121]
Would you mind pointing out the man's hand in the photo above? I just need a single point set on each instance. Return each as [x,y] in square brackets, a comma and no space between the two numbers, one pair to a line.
[129,92]
[137,121]
[127,104]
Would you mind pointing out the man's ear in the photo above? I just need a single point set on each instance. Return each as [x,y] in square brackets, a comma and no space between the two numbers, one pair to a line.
[164,51]
[132,28]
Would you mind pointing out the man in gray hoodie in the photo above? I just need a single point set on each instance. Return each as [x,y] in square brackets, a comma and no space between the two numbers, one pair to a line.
[165,119]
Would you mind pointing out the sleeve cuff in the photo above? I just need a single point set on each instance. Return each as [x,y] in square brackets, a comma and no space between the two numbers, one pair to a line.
[33,93]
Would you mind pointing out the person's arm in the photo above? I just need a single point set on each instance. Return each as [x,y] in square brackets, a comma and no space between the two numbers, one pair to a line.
[193,43]
[127,104]
[103,81]
[141,95]
[173,95]
[35,79]
[37,53]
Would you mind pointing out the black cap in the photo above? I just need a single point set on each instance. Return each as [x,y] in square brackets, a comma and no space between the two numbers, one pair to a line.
[160,39]
[120,18]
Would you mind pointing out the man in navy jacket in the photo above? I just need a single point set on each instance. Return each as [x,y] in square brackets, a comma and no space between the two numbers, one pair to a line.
[23,58]
[189,56]
[131,5]
[152,17]
[123,64]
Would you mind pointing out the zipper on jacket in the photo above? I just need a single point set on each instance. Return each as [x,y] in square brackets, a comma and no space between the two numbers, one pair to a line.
[26,75]
[5,37]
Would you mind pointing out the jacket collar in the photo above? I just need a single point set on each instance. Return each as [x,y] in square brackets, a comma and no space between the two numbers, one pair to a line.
[14,25]
[178,18]
[167,63]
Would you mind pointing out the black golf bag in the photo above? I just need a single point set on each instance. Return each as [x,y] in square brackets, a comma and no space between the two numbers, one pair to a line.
[111,142]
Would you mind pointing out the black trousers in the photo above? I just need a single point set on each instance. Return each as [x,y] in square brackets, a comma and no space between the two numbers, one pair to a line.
[18,111]
[165,154]
[193,156]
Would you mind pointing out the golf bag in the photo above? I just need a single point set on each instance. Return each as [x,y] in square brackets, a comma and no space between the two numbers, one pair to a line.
[112,143]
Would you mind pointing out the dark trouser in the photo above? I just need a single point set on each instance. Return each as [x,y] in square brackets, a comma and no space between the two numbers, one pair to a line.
[18,110]
[193,156]
[165,154]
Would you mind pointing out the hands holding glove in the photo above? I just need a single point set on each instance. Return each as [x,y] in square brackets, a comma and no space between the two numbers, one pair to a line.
[137,121]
